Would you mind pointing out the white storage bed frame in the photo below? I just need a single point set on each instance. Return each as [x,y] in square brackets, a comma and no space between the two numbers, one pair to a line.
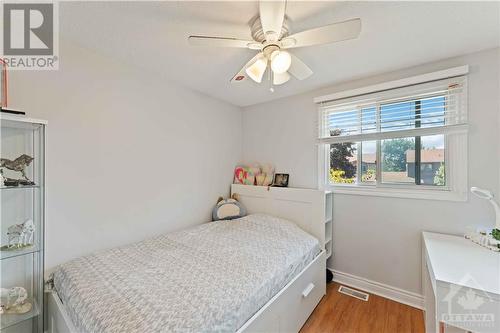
[289,309]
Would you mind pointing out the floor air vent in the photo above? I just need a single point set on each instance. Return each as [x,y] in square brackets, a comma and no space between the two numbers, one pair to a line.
[354,293]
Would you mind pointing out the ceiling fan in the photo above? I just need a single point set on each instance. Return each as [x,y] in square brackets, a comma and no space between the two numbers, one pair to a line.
[271,38]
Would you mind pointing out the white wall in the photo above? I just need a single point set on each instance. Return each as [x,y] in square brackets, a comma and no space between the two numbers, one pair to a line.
[130,155]
[378,238]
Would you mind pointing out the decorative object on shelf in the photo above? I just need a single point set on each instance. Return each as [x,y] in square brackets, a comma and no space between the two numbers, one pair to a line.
[255,174]
[9,182]
[281,180]
[484,239]
[228,209]
[21,235]
[4,91]
[488,239]
[496,234]
[22,239]
[265,175]
[14,301]
[19,164]
[243,175]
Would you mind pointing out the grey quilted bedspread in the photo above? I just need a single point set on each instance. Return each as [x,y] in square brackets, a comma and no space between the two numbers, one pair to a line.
[210,278]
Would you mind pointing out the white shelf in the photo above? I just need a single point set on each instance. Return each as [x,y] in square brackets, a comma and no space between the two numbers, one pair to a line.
[19,187]
[328,223]
[328,206]
[20,121]
[24,267]
[4,254]
[328,253]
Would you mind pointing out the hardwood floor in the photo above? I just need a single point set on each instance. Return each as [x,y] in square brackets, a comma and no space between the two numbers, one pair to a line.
[339,313]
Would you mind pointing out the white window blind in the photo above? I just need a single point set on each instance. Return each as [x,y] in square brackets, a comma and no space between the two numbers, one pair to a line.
[437,107]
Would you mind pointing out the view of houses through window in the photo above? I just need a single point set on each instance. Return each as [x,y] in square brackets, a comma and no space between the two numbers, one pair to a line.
[400,163]
[418,160]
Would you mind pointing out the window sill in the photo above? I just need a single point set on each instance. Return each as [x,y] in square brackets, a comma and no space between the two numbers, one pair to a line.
[394,192]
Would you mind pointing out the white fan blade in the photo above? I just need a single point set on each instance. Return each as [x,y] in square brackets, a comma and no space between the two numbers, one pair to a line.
[219,41]
[242,75]
[272,14]
[335,32]
[298,69]
[255,46]
[280,78]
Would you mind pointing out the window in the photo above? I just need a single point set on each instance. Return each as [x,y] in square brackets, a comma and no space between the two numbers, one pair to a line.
[409,140]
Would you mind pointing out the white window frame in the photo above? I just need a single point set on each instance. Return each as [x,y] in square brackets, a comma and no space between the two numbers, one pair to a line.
[456,148]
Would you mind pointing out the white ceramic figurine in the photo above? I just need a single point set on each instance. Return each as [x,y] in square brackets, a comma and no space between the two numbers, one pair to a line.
[14,300]
[21,234]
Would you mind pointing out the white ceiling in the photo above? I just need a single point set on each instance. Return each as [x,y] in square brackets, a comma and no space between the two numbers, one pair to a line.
[153,36]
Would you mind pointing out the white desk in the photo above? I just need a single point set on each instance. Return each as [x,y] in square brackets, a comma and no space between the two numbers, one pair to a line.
[461,283]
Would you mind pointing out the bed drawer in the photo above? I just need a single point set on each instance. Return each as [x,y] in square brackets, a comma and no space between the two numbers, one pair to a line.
[291,307]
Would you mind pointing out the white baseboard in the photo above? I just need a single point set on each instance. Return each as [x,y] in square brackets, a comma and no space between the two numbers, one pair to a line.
[399,295]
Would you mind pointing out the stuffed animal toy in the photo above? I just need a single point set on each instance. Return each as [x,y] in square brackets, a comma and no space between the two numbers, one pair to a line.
[228,209]
[254,174]
[264,177]
[268,171]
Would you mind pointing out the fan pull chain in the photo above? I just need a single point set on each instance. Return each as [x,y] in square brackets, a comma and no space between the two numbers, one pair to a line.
[270,77]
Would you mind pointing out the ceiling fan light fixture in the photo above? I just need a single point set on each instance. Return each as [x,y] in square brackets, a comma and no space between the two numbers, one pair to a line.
[256,70]
[280,61]
[271,38]
[279,79]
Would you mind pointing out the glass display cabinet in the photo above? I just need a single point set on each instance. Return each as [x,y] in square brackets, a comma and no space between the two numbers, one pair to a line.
[22,213]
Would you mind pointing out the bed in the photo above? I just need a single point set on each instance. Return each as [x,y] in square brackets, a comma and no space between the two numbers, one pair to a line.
[242,275]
